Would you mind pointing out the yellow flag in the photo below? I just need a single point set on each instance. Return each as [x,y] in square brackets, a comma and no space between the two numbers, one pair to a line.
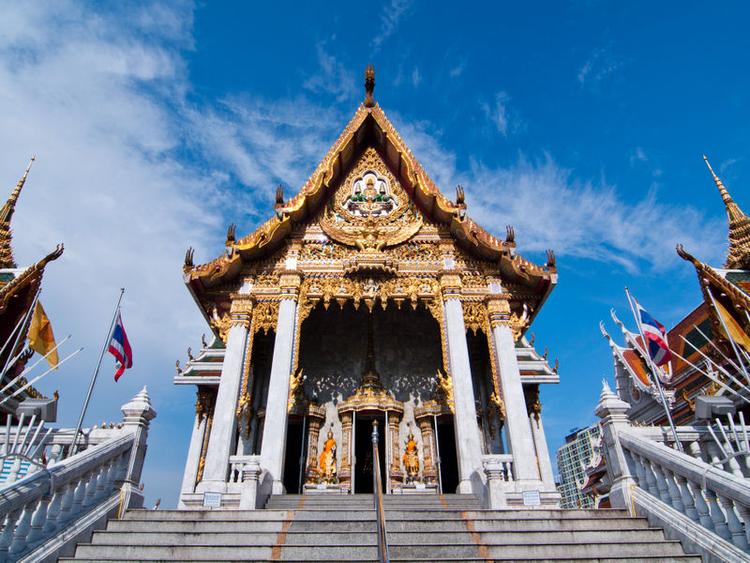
[736,332]
[41,337]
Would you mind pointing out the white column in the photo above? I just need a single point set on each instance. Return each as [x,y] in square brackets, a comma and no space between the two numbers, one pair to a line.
[221,440]
[521,442]
[465,416]
[274,429]
[542,451]
[193,458]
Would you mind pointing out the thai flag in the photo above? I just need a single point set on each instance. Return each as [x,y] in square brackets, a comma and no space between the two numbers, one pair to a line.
[655,335]
[119,347]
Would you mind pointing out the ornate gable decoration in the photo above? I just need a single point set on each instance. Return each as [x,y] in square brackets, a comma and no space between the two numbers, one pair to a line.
[370,211]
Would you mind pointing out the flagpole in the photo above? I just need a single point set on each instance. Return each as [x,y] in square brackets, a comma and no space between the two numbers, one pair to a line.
[96,373]
[653,369]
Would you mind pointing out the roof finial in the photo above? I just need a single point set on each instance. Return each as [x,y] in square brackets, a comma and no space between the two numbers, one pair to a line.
[6,214]
[738,256]
[369,86]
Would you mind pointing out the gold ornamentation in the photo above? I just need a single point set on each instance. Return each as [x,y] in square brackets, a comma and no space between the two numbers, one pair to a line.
[296,389]
[266,316]
[475,316]
[204,402]
[445,390]
[221,324]
[370,211]
[317,251]
[499,405]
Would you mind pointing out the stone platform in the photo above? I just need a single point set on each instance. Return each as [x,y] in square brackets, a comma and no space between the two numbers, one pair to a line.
[342,528]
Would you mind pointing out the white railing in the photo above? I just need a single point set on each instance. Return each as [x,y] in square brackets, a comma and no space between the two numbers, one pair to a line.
[44,513]
[498,468]
[699,495]
[708,495]
[44,503]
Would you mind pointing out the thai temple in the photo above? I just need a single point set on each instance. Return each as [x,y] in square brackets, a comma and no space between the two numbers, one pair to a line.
[369,296]
[368,392]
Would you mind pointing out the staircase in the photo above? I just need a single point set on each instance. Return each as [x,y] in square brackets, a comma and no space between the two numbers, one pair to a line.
[342,528]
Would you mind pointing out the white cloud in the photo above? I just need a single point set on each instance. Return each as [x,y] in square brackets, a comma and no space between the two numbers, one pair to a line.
[639,155]
[600,64]
[92,96]
[550,208]
[416,77]
[390,18]
[332,76]
[458,69]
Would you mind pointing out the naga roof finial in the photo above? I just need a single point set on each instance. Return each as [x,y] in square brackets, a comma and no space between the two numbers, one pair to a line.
[6,214]
[369,86]
[738,256]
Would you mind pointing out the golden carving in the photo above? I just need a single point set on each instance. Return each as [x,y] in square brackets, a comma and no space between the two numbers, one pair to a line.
[296,389]
[266,316]
[475,316]
[370,211]
[221,324]
[316,251]
[498,403]
[445,390]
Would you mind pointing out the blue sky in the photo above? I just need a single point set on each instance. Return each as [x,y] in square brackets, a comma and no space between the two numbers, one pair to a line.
[580,123]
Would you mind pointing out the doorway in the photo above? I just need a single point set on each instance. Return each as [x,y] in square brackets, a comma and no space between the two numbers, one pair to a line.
[294,456]
[448,459]
[363,470]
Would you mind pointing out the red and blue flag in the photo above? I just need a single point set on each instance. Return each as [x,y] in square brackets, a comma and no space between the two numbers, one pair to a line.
[656,336]
[119,347]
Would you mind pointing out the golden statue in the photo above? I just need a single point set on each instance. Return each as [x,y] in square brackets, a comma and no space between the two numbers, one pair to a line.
[411,459]
[328,459]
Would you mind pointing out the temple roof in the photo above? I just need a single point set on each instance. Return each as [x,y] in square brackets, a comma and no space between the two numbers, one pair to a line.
[738,255]
[369,127]
[6,214]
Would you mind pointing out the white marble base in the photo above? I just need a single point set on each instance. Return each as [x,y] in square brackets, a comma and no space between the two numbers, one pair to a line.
[415,489]
[325,488]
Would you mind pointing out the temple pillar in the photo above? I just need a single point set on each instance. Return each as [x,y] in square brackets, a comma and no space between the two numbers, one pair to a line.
[224,424]
[534,408]
[520,439]
[345,453]
[273,446]
[190,476]
[429,473]
[468,441]
[394,472]
[313,433]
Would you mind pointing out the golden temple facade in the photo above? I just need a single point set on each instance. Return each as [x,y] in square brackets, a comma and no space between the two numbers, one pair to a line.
[369,296]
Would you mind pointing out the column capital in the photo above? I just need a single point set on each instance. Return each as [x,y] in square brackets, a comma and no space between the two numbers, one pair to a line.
[498,311]
[450,284]
[290,284]
[241,311]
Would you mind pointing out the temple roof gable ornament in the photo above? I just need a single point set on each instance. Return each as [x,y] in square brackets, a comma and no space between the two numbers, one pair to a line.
[6,214]
[738,255]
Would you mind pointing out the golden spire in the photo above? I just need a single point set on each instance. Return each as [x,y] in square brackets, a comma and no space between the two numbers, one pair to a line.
[6,214]
[369,86]
[738,256]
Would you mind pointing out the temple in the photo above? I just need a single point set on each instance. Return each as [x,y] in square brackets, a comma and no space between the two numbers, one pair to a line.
[19,287]
[369,296]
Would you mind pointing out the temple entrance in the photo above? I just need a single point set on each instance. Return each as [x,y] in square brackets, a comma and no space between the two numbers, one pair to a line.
[363,462]
[448,467]
[294,459]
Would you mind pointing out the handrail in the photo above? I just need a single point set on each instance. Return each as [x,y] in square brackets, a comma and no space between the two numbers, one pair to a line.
[383,554]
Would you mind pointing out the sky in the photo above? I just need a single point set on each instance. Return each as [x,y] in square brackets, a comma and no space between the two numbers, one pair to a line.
[155,125]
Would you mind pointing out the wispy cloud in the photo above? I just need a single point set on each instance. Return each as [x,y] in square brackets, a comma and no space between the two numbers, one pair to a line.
[501,115]
[600,64]
[551,208]
[458,69]
[416,77]
[390,17]
[332,76]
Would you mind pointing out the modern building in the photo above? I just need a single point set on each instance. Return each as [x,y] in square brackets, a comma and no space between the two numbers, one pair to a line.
[573,458]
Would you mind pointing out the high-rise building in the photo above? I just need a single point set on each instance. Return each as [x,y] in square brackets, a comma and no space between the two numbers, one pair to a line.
[573,458]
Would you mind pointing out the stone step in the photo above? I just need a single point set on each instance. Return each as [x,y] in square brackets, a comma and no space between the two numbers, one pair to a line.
[330,538]
[421,525]
[368,552]
[655,559]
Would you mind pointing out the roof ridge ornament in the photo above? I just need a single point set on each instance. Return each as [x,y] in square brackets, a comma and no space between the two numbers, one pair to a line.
[369,86]
[738,256]
[6,214]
